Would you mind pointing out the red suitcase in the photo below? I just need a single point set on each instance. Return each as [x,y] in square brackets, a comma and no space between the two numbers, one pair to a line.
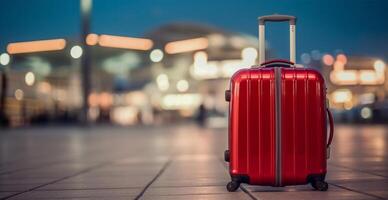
[277,122]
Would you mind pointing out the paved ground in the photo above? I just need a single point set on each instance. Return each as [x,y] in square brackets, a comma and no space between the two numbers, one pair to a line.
[177,162]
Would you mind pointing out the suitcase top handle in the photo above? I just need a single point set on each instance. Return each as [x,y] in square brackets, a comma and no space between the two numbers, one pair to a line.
[276,18]
[277,63]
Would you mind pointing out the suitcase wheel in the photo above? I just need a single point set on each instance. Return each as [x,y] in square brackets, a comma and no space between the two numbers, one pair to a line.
[226,156]
[232,186]
[320,185]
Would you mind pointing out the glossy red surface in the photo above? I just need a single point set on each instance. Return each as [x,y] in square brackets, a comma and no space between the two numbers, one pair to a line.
[303,126]
[252,125]
[252,128]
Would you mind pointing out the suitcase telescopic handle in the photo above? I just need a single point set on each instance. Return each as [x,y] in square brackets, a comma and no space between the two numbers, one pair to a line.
[331,126]
[276,18]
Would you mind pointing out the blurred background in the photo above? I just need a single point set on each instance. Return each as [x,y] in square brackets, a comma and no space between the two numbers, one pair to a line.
[162,62]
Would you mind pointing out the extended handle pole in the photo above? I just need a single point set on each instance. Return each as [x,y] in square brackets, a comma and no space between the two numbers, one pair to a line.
[277,18]
[292,43]
[261,44]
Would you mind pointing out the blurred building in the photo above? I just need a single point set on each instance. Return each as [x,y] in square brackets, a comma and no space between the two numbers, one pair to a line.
[197,63]
[357,87]
[163,77]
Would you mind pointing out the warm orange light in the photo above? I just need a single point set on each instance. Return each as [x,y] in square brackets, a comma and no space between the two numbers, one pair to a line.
[339,66]
[186,45]
[181,101]
[342,58]
[105,100]
[370,77]
[93,100]
[125,42]
[44,87]
[328,60]
[344,77]
[341,96]
[92,39]
[379,66]
[36,46]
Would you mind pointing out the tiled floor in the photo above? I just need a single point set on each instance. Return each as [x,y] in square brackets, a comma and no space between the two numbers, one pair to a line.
[174,162]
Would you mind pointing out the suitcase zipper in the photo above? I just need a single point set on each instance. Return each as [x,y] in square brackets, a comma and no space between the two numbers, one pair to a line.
[278,130]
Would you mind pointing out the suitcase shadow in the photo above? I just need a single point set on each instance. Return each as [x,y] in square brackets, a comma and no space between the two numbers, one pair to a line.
[301,188]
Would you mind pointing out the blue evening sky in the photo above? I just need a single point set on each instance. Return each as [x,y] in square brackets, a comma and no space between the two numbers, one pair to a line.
[357,27]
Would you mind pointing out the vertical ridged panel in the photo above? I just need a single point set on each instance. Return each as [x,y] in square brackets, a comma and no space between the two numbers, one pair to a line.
[302,125]
[252,125]
[238,122]
[317,123]
[288,111]
[261,127]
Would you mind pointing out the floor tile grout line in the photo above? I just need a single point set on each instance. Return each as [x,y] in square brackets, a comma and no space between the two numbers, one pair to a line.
[336,185]
[118,188]
[98,188]
[249,193]
[356,191]
[187,186]
[31,157]
[32,168]
[245,190]
[358,170]
[154,179]
[58,180]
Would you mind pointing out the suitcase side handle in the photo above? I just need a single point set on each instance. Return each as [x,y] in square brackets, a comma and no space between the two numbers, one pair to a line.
[276,18]
[331,126]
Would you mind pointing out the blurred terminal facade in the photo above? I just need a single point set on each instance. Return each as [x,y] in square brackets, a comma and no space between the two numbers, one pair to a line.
[164,77]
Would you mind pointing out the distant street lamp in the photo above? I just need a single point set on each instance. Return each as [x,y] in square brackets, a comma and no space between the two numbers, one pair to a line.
[86,6]
[4,60]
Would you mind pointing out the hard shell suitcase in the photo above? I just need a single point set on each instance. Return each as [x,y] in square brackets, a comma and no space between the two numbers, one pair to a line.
[278,121]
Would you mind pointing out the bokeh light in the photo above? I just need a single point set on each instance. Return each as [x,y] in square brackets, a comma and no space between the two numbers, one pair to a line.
[249,54]
[76,52]
[306,58]
[4,58]
[19,94]
[156,55]
[29,78]
[162,82]
[182,85]
[328,59]
[316,55]
[342,58]
[379,65]
[92,39]
[366,113]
